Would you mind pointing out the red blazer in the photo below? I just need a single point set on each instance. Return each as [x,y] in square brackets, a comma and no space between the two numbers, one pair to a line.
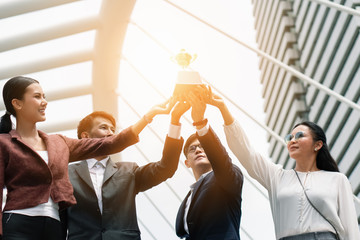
[30,181]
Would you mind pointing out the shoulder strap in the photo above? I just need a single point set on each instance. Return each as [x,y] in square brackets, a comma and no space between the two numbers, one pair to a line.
[337,235]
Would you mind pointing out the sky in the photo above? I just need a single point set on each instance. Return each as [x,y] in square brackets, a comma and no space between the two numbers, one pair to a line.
[156,33]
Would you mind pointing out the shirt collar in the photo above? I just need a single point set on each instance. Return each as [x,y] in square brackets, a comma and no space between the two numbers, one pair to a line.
[92,161]
[192,186]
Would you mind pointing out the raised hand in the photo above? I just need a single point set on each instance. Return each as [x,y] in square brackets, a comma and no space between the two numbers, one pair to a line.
[180,108]
[162,108]
[209,97]
[198,106]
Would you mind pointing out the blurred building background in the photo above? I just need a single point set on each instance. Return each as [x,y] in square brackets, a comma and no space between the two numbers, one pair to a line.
[115,55]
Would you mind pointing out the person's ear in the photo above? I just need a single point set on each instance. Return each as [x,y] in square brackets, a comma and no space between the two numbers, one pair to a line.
[17,104]
[318,145]
[84,135]
[187,164]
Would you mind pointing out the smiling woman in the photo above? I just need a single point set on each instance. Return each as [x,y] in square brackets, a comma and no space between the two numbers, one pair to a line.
[34,165]
[307,202]
[32,106]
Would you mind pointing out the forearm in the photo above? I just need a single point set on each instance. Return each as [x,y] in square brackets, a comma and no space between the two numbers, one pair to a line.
[227,116]
[255,164]
[154,173]
[80,149]
[229,177]
[142,123]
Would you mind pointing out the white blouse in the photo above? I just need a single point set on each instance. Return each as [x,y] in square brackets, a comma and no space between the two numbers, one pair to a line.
[330,192]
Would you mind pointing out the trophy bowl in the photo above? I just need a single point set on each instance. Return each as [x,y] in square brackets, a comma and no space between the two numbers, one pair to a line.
[186,79]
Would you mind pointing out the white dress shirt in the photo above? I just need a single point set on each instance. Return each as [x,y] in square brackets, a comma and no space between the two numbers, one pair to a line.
[97,170]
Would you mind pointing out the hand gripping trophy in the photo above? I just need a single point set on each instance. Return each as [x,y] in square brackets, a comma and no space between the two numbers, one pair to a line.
[186,79]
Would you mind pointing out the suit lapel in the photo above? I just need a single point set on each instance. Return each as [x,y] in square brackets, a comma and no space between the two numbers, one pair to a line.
[180,216]
[110,169]
[82,170]
[197,187]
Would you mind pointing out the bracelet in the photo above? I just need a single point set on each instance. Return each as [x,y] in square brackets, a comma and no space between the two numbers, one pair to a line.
[199,123]
[146,119]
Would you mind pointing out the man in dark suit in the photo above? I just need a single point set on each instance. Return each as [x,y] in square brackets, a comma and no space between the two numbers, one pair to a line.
[105,190]
[212,208]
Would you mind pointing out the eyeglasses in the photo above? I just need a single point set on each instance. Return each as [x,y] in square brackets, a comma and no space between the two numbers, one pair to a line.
[289,137]
[192,148]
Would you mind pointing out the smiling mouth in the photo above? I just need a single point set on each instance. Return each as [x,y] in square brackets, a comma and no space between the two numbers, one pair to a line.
[293,148]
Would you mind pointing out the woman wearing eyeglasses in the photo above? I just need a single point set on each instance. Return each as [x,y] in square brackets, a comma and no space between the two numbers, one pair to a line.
[315,178]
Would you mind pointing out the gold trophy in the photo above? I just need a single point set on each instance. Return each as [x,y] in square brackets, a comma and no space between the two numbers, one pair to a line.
[186,79]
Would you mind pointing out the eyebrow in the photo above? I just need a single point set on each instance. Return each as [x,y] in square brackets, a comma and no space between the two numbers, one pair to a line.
[107,125]
[195,144]
[39,93]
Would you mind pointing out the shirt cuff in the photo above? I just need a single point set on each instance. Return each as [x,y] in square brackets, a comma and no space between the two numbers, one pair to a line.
[174,131]
[204,130]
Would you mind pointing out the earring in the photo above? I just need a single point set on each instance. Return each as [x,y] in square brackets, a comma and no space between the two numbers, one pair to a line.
[316,149]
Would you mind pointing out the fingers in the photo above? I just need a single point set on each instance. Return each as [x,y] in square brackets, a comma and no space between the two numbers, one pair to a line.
[196,101]
[163,104]
[172,101]
[210,91]
[180,108]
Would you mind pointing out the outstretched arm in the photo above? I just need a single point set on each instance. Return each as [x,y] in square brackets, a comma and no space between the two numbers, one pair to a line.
[228,176]
[162,108]
[154,173]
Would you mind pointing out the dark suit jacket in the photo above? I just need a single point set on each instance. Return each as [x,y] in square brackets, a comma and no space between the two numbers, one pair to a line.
[122,182]
[30,181]
[215,208]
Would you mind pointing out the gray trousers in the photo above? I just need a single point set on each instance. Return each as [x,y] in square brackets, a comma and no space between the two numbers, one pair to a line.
[312,236]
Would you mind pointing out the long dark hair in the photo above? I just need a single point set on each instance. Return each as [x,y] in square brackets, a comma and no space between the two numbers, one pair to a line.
[324,160]
[14,88]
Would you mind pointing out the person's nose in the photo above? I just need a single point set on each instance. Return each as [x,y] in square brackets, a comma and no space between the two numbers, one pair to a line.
[44,102]
[291,142]
[110,132]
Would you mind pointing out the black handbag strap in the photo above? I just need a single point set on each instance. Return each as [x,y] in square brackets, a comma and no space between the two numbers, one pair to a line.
[337,235]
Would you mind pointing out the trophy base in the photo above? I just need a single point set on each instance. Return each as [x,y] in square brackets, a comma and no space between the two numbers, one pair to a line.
[182,89]
[188,77]
[186,81]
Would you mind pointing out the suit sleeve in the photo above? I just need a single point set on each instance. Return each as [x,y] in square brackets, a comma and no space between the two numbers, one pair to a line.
[227,174]
[80,149]
[154,173]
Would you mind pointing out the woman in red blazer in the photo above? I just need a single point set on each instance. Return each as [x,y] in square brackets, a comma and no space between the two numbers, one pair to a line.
[34,165]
